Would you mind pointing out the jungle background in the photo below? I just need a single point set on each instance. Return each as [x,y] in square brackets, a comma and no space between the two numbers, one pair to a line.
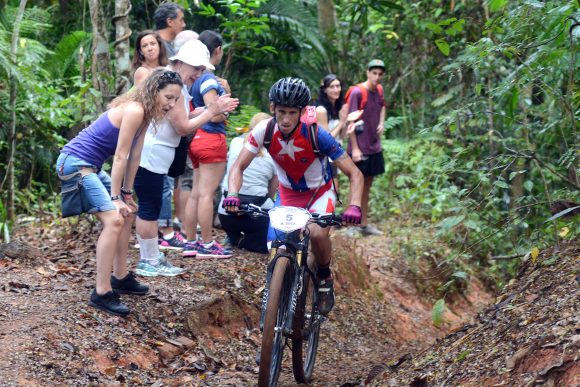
[481,133]
[481,140]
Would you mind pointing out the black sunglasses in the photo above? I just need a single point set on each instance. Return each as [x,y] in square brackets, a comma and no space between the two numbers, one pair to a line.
[170,76]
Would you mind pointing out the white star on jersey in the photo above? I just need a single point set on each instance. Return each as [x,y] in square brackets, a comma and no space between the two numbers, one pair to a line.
[289,148]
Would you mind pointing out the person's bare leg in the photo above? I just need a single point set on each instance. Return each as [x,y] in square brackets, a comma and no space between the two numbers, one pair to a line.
[320,244]
[365,200]
[176,199]
[183,199]
[190,222]
[107,248]
[211,176]
[322,249]
[120,270]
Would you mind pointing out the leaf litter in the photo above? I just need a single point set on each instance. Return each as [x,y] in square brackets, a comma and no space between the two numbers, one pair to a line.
[202,328]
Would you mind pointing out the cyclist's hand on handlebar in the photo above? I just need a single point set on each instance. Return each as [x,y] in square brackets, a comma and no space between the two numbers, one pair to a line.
[231,203]
[352,215]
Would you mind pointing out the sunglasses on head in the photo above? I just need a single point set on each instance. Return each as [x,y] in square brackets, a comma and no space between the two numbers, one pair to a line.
[170,76]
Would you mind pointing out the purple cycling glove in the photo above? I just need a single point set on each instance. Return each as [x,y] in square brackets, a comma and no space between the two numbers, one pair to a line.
[352,215]
[231,201]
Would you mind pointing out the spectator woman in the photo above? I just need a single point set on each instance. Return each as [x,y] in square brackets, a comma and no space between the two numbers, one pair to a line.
[259,187]
[86,188]
[158,154]
[331,112]
[149,54]
[208,152]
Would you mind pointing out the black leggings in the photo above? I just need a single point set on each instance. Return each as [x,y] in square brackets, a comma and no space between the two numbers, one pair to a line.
[246,233]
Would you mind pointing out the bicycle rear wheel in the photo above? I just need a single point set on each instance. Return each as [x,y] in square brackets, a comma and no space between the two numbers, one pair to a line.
[273,339]
[306,332]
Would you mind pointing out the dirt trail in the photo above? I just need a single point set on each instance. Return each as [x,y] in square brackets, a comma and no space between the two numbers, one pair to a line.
[199,328]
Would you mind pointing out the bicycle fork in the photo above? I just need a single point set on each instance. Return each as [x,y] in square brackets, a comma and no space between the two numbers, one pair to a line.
[294,291]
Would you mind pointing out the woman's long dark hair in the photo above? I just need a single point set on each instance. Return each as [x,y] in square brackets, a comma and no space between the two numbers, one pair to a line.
[211,39]
[139,58]
[323,100]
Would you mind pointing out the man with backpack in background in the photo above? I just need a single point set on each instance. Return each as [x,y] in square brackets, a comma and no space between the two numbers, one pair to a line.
[364,142]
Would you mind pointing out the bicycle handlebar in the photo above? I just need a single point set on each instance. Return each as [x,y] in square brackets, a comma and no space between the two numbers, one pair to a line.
[323,220]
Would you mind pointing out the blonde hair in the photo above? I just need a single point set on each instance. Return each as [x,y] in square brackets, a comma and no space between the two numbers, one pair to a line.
[146,93]
[256,119]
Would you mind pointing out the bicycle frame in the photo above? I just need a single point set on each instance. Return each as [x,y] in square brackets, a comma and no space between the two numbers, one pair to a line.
[287,278]
[294,246]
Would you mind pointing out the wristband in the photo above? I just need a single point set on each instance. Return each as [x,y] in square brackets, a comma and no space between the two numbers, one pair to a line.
[233,195]
[126,191]
[116,197]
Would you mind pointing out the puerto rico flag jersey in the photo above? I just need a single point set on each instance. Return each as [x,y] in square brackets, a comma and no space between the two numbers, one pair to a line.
[297,166]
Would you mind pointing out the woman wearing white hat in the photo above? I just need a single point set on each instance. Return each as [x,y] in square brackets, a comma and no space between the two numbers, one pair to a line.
[158,154]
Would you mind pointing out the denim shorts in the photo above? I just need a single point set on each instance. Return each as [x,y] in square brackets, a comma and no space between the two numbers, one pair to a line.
[82,194]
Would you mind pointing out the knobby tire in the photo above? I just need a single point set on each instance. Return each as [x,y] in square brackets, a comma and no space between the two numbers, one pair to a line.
[272,341]
[305,338]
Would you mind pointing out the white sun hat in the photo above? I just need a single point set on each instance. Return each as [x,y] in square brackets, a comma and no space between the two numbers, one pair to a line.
[194,53]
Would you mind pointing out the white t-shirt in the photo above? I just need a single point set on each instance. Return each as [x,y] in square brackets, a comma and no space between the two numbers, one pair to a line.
[160,142]
[256,177]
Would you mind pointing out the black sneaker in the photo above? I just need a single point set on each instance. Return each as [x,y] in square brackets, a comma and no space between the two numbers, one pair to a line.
[326,295]
[128,285]
[110,303]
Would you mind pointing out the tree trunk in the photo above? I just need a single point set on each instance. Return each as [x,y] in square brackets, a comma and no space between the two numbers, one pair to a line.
[326,17]
[122,35]
[101,62]
[12,103]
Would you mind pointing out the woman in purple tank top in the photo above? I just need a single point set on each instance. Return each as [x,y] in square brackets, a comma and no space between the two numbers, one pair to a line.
[120,133]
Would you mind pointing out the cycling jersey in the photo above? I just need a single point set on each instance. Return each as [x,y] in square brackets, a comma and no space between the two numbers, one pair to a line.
[297,166]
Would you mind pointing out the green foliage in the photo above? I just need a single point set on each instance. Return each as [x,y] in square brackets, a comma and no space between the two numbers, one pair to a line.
[50,100]
[437,312]
[481,129]
[239,123]
[4,224]
[64,55]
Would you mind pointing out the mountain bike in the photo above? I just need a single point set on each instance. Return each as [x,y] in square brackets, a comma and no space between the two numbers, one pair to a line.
[290,300]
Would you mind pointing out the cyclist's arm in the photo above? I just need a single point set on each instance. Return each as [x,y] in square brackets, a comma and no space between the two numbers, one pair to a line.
[356,178]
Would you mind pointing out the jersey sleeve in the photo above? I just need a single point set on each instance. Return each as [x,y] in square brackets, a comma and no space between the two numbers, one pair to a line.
[354,99]
[328,145]
[256,137]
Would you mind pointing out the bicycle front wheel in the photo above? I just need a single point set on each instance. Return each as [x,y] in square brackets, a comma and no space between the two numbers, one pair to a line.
[273,339]
[306,332]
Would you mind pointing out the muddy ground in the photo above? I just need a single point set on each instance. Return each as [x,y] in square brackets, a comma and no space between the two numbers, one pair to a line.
[201,328]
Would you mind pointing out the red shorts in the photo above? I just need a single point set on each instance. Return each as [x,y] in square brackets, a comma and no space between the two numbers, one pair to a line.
[207,148]
[320,201]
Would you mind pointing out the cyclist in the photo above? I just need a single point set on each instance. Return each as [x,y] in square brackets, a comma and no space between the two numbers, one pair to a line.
[304,178]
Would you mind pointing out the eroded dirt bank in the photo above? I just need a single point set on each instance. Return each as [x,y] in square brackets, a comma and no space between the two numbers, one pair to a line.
[200,328]
[529,336]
